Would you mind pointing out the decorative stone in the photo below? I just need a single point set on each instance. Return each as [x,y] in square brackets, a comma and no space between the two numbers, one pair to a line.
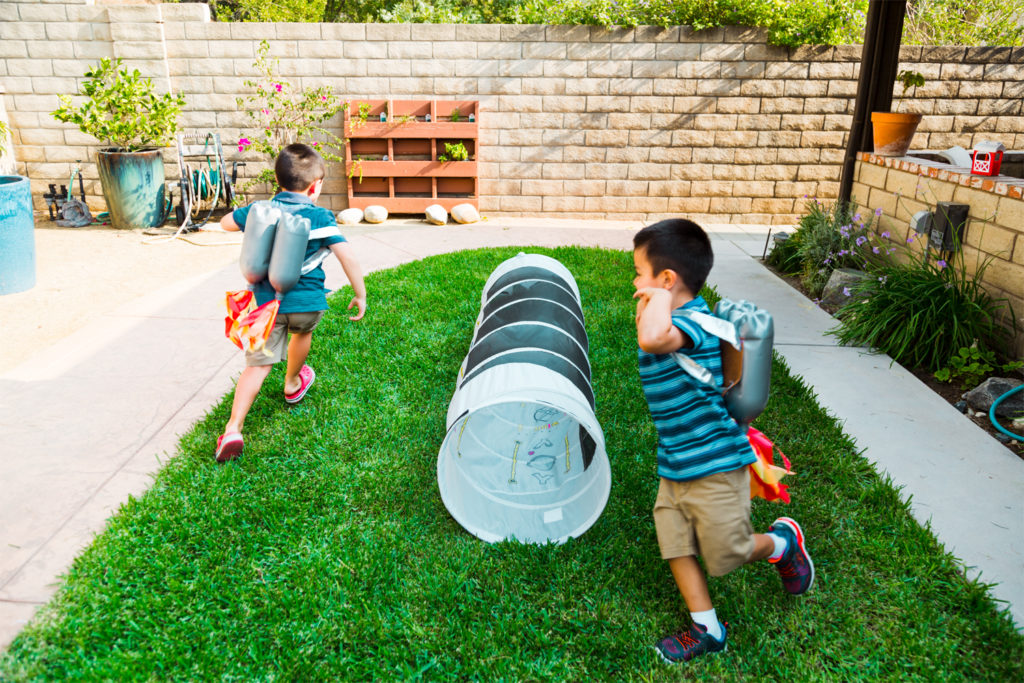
[961,406]
[840,287]
[465,213]
[350,216]
[985,394]
[375,214]
[436,214]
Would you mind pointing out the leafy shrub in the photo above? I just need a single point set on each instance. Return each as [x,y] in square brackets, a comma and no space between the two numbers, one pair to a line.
[921,313]
[971,365]
[121,108]
[283,116]
[785,256]
[835,236]
[956,22]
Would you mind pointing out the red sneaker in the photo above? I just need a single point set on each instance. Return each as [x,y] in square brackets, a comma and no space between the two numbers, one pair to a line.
[229,446]
[306,377]
[795,566]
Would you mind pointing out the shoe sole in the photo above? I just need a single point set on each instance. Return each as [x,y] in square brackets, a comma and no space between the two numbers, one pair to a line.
[230,451]
[295,398]
[683,661]
[799,533]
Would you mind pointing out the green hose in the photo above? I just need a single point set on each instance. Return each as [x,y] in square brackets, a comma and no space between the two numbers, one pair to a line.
[992,412]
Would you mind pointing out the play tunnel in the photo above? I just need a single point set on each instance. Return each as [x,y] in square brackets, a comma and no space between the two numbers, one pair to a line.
[524,456]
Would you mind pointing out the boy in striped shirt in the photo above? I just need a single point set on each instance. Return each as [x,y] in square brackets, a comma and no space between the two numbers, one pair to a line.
[703,502]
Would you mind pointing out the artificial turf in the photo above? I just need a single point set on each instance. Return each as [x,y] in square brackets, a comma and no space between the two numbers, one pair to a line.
[325,553]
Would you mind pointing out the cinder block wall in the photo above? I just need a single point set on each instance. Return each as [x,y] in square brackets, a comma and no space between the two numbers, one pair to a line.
[995,224]
[577,121]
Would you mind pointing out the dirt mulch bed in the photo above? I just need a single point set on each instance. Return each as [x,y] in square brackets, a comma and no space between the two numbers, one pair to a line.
[950,392]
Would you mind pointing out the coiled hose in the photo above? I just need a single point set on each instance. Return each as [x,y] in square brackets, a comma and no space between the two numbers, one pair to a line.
[992,412]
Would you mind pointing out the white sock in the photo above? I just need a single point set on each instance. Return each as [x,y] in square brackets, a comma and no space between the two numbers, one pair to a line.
[780,547]
[708,620]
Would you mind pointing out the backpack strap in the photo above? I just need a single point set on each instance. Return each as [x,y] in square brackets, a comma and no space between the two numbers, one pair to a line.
[731,347]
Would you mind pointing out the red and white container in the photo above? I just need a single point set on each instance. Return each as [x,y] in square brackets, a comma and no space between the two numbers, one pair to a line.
[987,157]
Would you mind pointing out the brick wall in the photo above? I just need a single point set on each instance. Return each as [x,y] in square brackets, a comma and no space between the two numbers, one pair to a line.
[995,224]
[576,121]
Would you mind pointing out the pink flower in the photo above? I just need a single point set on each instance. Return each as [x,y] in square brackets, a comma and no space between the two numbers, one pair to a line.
[277,86]
[316,144]
[323,97]
[265,111]
[243,143]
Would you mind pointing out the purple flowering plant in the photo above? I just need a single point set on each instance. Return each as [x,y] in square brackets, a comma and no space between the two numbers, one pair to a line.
[282,114]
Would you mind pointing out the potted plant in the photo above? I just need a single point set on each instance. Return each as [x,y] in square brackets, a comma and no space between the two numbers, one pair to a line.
[893,131]
[122,111]
[17,227]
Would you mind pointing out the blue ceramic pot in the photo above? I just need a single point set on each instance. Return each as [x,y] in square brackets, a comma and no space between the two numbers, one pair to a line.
[133,185]
[17,236]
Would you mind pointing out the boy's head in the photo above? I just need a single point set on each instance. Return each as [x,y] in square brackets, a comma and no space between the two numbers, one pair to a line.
[299,168]
[676,245]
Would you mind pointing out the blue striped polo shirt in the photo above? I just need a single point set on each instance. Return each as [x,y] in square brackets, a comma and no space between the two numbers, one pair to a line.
[309,293]
[696,435]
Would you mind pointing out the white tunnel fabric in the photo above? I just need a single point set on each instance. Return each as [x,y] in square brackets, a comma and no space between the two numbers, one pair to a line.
[524,456]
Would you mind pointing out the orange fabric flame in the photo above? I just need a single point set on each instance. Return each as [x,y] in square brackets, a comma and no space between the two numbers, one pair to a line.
[247,326]
[765,475]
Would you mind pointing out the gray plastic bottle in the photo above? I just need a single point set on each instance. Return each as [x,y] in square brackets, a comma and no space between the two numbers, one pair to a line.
[748,399]
[289,253]
[257,242]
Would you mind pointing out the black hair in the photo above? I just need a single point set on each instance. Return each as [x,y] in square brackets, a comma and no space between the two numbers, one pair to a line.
[678,244]
[298,166]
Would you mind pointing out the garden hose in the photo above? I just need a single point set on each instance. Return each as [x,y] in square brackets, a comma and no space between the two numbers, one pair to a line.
[992,413]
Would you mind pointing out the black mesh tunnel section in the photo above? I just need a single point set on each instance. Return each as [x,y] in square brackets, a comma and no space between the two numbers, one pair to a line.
[523,336]
[545,359]
[536,310]
[527,273]
[534,289]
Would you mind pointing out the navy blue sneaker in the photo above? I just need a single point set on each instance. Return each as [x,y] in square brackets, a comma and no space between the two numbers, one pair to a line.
[795,566]
[682,647]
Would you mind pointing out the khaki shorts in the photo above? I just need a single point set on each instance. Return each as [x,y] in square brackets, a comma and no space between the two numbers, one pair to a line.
[277,342]
[709,517]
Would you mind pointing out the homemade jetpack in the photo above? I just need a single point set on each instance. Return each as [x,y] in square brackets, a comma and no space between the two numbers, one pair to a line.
[746,335]
[523,456]
[273,247]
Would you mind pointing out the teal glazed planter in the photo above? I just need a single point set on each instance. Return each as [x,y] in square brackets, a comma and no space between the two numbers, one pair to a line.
[133,185]
[17,235]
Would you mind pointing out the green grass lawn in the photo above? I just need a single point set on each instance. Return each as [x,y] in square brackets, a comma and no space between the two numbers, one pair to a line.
[325,553]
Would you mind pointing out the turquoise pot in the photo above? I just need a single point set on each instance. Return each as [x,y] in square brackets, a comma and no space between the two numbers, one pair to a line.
[17,235]
[133,185]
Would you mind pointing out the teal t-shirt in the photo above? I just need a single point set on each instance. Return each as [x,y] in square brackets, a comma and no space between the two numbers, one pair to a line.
[309,293]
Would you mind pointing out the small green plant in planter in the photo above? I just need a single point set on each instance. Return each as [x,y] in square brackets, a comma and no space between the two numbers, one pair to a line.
[122,111]
[454,152]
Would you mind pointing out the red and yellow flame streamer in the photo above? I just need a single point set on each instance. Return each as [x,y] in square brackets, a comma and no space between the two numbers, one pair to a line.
[247,325]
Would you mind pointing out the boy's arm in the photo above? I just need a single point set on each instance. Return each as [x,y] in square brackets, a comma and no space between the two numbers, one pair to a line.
[655,332]
[227,222]
[347,258]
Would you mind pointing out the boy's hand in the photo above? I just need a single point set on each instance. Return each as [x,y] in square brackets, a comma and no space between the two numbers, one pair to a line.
[360,304]
[645,295]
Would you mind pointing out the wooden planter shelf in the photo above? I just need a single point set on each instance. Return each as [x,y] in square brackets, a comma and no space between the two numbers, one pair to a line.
[395,164]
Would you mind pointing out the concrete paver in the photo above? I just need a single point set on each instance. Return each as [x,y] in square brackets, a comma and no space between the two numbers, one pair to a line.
[114,399]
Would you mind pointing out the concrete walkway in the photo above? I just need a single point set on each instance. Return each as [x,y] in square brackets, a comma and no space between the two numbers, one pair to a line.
[86,422]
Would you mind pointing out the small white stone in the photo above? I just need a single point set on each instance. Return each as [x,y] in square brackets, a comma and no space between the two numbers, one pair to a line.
[375,214]
[436,214]
[465,213]
[350,216]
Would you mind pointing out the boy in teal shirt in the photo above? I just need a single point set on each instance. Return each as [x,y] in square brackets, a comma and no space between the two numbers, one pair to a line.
[300,171]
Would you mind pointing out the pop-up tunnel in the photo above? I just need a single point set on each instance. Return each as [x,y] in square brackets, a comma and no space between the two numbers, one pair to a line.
[524,456]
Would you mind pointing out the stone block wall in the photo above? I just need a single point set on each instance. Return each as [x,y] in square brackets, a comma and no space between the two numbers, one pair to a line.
[576,121]
[995,226]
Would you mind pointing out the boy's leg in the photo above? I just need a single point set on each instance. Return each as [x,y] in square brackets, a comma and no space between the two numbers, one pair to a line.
[790,556]
[248,388]
[298,350]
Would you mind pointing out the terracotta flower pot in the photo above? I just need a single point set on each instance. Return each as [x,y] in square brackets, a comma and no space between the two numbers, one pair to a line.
[893,132]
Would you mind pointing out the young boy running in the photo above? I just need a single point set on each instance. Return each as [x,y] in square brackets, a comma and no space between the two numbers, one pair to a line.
[703,502]
[300,171]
